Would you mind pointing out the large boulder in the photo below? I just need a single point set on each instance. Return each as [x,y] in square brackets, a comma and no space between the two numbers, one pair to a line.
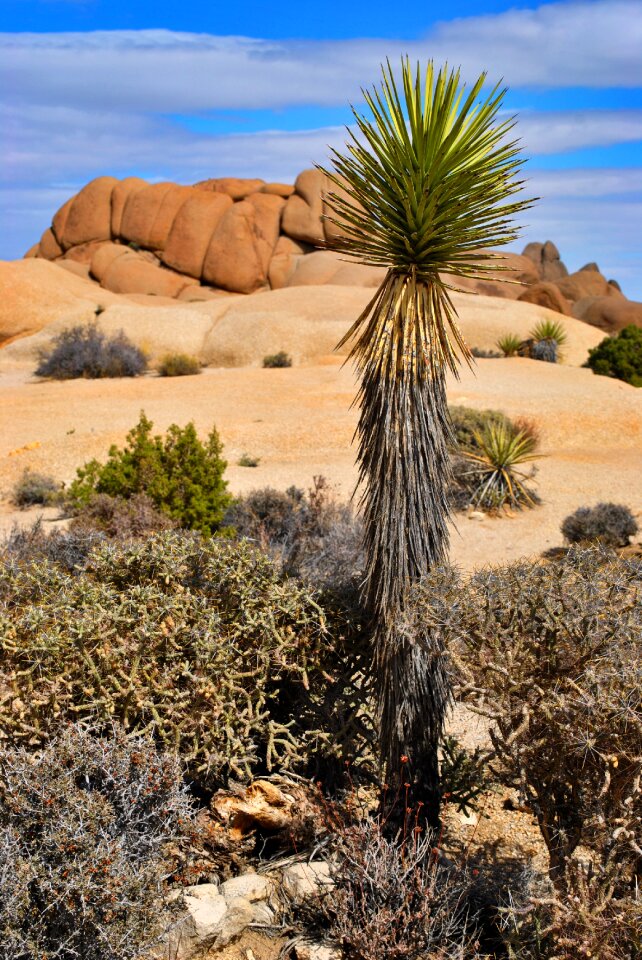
[235,187]
[546,295]
[141,209]
[304,209]
[284,190]
[546,258]
[89,215]
[285,258]
[609,313]
[50,249]
[104,256]
[585,283]
[132,273]
[192,231]
[60,220]
[169,208]
[122,192]
[240,250]
[327,267]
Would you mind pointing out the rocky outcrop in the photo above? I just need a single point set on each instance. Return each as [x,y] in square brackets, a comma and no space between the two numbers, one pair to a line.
[548,295]
[546,258]
[235,235]
[609,313]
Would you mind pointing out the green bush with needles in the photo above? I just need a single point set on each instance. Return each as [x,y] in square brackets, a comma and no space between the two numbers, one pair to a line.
[180,474]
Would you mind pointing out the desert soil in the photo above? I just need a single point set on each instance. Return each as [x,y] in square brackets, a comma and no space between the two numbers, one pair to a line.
[299,422]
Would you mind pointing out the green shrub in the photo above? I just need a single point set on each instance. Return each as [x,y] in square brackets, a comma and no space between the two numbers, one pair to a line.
[492,474]
[247,460]
[88,352]
[84,830]
[201,643]
[182,476]
[619,357]
[509,344]
[35,488]
[280,359]
[549,330]
[468,424]
[609,523]
[178,365]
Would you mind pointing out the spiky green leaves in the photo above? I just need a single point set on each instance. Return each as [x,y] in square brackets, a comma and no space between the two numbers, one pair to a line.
[425,188]
[426,183]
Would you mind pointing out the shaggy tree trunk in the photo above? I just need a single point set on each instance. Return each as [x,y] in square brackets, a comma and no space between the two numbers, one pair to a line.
[405,471]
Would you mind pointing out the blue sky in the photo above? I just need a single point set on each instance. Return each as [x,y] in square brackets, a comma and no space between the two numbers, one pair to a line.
[184,92]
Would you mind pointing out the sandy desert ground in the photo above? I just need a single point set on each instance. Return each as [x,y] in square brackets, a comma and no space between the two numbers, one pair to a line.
[299,421]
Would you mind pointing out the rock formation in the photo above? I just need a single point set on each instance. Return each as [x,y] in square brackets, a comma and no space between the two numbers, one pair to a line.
[230,235]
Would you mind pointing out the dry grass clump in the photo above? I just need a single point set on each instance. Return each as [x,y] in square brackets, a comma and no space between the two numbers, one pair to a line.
[88,352]
[202,643]
[312,535]
[178,365]
[120,518]
[393,898]
[34,488]
[610,524]
[84,831]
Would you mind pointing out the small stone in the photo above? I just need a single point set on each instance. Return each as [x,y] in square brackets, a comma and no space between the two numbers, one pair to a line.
[250,886]
[263,915]
[239,915]
[303,880]
[476,515]
[203,891]
[308,950]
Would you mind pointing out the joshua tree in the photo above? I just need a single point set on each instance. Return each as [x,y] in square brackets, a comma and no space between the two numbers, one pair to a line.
[424,188]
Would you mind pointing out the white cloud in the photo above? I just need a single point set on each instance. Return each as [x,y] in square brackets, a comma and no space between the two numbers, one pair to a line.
[558,131]
[74,106]
[594,44]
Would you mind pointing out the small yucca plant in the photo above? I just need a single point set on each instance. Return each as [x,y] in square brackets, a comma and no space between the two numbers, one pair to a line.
[497,479]
[550,330]
[509,344]
[424,188]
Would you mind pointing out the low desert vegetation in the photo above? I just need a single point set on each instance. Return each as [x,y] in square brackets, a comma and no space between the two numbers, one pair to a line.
[487,458]
[178,365]
[180,474]
[248,460]
[201,643]
[88,352]
[34,488]
[610,524]
[85,829]
[239,669]
[280,359]
[619,356]
[509,344]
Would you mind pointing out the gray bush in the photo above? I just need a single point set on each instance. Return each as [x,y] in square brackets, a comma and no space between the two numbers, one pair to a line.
[87,352]
[84,829]
[608,523]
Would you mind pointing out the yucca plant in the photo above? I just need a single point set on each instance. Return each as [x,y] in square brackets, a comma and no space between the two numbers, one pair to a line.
[427,182]
[509,344]
[497,479]
[549,329]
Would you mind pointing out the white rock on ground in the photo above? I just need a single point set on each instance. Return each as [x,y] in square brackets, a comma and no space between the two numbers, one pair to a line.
[302,880]
[251,886]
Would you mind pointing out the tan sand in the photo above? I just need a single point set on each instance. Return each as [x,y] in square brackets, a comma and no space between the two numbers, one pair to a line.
[298,421]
